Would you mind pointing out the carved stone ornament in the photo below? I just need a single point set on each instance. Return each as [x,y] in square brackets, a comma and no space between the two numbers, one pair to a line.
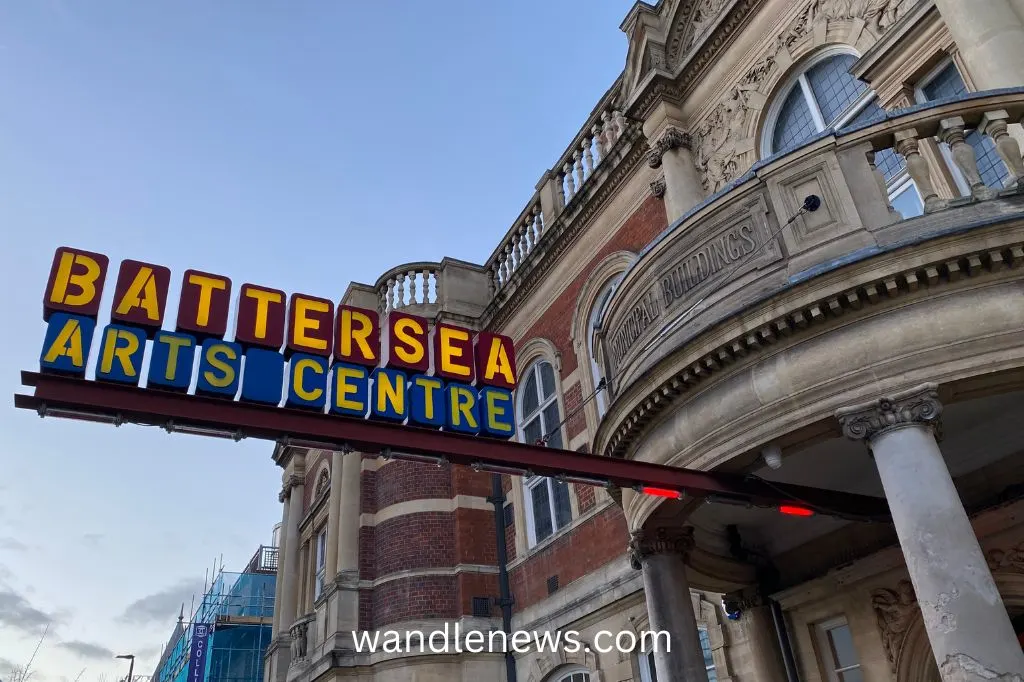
[895,611]
[291,482]
[1006,561]
[918,405]
[643,544]
[672,138]
[658,187]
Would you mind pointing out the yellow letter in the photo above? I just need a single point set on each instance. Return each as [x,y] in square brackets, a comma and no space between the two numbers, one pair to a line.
[450,352]
[263,301]
[303,323]
[85,281]
[349,333]
[297,382]
[69,343]
[462,402]
[402,328]
[430,385]
[141,294]
[112,348]
[227,371]
[342,388]
[494,410]
[497,363]
[390,391]
[174,344]
[206,286]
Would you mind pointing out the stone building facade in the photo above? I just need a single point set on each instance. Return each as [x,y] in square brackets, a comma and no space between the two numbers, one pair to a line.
[675,297]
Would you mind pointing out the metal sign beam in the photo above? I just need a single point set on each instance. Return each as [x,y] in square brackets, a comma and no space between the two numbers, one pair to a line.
[116,404]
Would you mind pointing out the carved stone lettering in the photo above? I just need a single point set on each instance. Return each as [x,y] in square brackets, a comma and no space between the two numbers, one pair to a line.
[705,261]
[636,323]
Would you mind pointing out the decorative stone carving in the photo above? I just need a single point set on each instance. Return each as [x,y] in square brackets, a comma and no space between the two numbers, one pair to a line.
[918,405]
[672,138]
[300,644]
[323,482]
[643,544]
[691,23]
[895,611]
[658,187]
[289,483]
[717,136]
[1006,561]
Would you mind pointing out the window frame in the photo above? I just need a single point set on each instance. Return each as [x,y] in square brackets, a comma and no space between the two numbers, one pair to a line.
[646,659]
[604,296]
[531,482]
[568,675]
[826,652]
[320,565]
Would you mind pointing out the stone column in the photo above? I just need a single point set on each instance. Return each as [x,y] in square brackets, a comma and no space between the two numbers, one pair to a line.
[964,616]
[290,590]
[681,187]
[763,641]
[333,514]
[348,542]
[990,36]
[661,555]
[282,550]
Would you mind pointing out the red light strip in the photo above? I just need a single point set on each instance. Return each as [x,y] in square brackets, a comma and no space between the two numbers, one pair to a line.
[661,492]
[793,510]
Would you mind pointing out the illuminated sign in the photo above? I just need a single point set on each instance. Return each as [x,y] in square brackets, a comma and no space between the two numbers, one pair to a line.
[300,351]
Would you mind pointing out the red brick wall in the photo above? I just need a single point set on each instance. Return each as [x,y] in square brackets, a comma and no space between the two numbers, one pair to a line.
[585,496]
[465,481]
[638,230]
[402,481]
[586,548]
[475,537]
[432,596]
[424,540]
[577,424]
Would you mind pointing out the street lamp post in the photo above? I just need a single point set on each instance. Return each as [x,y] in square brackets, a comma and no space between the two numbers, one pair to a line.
[131,664]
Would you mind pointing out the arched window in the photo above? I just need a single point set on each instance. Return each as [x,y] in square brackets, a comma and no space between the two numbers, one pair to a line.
[576,676]
[547,500]
[592,328]
[824,95]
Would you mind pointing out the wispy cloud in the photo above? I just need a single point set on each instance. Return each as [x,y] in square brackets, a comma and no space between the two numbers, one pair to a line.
[92,539]
[12,544]
[19,614]
[163,605]
[87,650]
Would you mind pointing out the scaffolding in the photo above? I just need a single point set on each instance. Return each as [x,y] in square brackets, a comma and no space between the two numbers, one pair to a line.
[239,609]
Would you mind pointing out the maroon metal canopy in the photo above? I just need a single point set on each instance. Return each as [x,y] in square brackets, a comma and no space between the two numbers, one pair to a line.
[75,398]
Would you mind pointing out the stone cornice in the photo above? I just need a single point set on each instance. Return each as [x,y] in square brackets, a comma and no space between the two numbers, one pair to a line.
[918,405]
[569,225]
[645,543]
[623,425]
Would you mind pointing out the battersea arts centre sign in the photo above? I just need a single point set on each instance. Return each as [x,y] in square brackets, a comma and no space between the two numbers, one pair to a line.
[297,351]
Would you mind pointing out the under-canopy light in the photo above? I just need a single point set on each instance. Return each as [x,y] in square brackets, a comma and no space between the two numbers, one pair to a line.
[793,510]
[661,492]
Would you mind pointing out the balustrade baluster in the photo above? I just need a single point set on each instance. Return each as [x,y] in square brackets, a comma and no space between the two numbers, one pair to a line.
[400,290]
[494,281]
[390,303]
[880,179]
[609,130]
[578,165]
[528,231]
[538,222]
[411,276]
[520,238]
[588,156]
[993,124]
[436,276]
[952,132]
[598,134]
[426,287]
[908,146]
[510,251]
[561,190]
[570,188]
[620,123]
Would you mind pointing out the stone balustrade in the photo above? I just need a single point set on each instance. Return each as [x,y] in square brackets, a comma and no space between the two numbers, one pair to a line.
[557,189]
[411,284]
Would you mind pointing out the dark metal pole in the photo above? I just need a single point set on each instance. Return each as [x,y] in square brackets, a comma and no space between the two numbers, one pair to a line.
[497,498]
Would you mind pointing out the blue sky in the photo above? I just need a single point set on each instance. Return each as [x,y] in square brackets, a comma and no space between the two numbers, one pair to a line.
[299,144]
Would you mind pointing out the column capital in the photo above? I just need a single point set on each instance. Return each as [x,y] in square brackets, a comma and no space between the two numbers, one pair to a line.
[290,482]
[670,138]
[645,543]
[919,405]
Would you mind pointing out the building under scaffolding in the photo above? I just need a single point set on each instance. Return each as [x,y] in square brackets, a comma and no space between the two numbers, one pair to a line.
[238,612]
